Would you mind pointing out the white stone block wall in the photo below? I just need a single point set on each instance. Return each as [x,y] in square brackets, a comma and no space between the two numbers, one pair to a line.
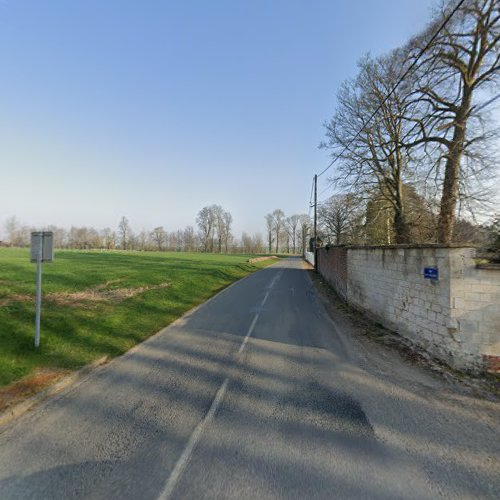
[456,318]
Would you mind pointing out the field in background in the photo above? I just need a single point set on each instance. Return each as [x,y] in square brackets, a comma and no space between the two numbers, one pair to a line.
[99,303]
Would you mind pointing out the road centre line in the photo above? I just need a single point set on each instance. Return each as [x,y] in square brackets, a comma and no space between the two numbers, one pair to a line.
[275,279]
[250,330]
[193,441]
[198,431]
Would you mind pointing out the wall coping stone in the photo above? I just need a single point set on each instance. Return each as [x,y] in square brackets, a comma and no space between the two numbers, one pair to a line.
[402,247]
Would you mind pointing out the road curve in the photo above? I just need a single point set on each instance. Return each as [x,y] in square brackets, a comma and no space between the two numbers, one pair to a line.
[258,393]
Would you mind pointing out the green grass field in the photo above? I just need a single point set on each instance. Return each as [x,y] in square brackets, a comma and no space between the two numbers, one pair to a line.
[100,303]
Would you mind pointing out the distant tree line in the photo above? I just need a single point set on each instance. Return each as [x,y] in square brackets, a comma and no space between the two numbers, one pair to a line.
[122,237]
[287,234]
[215,238]
[416,163]
[212,233]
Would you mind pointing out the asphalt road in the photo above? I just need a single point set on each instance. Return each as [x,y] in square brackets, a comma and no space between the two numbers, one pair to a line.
[256,394]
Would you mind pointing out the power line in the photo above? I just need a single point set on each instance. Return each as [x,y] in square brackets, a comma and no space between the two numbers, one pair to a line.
[324,191]
[405,74]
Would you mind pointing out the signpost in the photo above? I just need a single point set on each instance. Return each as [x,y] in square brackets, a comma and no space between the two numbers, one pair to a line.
[42,250]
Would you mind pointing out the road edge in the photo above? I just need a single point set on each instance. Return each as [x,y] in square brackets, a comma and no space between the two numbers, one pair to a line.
[68,382]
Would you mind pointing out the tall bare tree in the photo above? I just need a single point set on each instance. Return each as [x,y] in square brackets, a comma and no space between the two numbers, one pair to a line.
[278,221]
[206,224]
[455,77]
[270,229]
[291,224]
[305,228]
[158,236]
[371,154]
[228,220]
[189,239]
[124,232]
[337,216]
[215,227]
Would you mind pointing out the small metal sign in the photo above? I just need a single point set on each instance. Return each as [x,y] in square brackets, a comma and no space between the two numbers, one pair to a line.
[431,273]
[42,246]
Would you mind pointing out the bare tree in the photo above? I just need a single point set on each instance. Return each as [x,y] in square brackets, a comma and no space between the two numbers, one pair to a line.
[189,239]
[215,227]
[158,236]
[258,244]
[370,152]
[228,220]
[206,223]
[218,215]
[108,238]
[337,215]
[305,228]
[18,234]
[270,229]
[11,228]
[246,243]
[124,232]
[291,225]
[462,65]
[60,236]
[279,220]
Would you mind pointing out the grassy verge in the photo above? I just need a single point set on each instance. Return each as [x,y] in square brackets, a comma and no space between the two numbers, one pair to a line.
[100,303]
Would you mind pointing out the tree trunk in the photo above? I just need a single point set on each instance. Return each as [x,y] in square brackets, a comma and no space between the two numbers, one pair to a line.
[400,224]
[449,196]
[401,227]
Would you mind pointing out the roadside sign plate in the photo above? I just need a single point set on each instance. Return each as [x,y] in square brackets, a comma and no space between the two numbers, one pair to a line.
[431,273]
[45,239]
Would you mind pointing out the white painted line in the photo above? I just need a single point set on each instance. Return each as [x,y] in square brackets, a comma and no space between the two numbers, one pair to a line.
[275,279]
[265,298]
[250,330]
[193,440]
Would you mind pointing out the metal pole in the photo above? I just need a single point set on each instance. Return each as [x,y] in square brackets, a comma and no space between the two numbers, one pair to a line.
[315,222]
[38,294]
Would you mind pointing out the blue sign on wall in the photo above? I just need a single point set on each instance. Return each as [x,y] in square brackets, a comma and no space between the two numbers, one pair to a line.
[431,273]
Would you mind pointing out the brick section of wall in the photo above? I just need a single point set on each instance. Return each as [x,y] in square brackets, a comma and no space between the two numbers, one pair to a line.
[456,318]
[333,264]
[492,364]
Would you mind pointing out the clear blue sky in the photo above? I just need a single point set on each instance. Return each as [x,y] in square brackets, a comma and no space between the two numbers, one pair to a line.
[153,109]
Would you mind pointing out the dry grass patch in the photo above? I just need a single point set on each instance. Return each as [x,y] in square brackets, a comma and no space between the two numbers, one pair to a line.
[99,293]
[17,297]
[30,385]
[260,259]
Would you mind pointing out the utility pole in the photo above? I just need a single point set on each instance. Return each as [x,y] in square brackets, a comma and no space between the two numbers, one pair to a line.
[315,222]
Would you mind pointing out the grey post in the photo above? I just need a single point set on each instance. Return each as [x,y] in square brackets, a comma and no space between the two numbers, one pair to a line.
[42,250]
[38,292]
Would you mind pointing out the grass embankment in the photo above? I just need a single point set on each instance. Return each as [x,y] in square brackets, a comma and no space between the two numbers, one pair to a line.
[99,304]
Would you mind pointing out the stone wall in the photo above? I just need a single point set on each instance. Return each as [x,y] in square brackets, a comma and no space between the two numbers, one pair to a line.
[455,317]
